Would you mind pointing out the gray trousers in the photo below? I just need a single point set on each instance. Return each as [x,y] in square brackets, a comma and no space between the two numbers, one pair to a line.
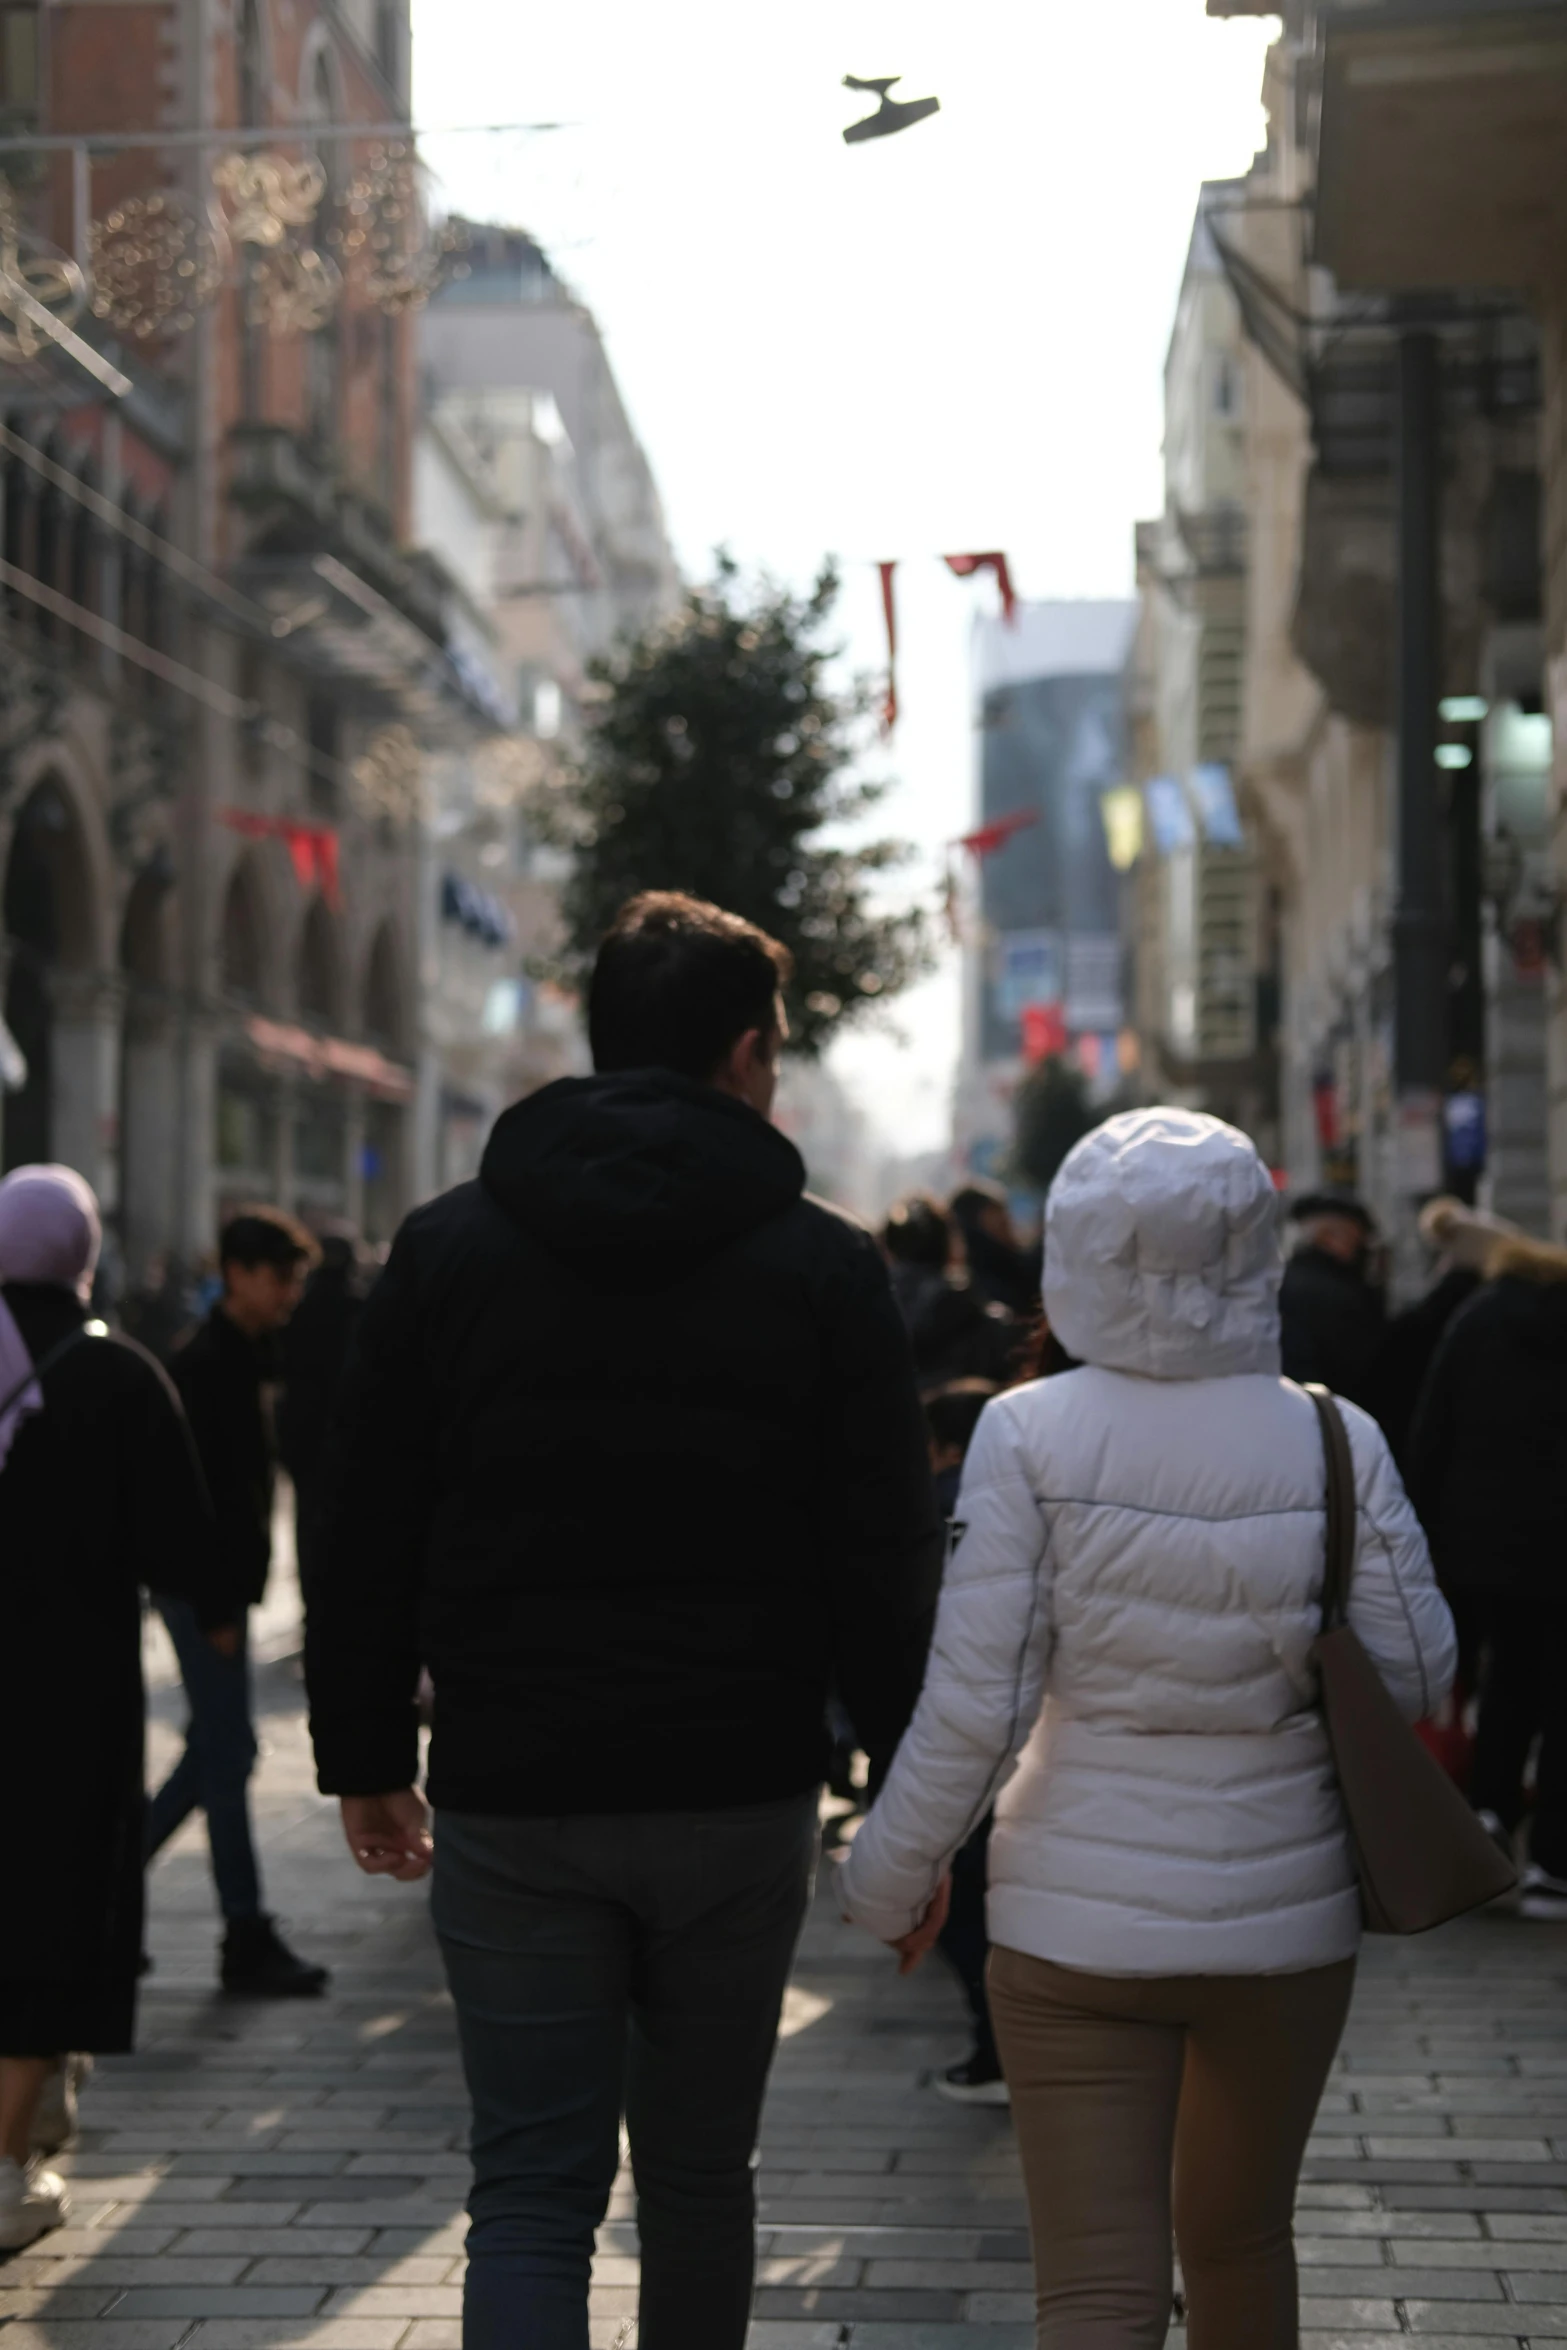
[635,1965]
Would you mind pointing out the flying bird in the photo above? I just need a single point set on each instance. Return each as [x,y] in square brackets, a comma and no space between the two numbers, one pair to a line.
[893,114]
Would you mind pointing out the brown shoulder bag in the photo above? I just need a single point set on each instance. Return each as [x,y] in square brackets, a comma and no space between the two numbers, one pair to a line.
[1420,1853]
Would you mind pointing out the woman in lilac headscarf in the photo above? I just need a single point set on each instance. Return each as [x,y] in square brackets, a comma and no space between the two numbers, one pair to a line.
[99,1494]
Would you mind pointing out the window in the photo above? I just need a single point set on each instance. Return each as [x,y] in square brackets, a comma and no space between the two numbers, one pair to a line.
[1226,387]
[19,58]
[322,735]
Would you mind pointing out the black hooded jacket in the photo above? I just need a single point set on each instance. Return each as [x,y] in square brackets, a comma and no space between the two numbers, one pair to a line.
[1488,1453]
[629,1454]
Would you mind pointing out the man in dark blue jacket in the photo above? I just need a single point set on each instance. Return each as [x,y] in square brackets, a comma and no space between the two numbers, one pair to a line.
[629,1455]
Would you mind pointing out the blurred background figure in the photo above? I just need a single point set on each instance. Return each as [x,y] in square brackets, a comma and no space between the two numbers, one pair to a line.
[99,1494]
[1001,1271]
[315,1345]
[953,1332]
[225,1374]
[1459,1240]
[1330,1310]
[1488,1475]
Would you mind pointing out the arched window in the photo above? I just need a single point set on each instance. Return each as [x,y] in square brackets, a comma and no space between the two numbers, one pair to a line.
[48,916]
[242,935]
[320,967]
[384,1017]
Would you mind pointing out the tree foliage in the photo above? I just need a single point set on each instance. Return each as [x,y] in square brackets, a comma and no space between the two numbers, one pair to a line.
[1050,1113]
[718,760]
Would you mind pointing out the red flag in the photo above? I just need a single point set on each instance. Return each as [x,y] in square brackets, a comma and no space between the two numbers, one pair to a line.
[312,849]
[1044,1031]
[965,566]
[991,837]
[889,708]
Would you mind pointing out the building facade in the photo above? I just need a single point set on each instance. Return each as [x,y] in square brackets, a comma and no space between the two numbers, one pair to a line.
[1394,733]
[225,659]
[531,487]
[1198,898]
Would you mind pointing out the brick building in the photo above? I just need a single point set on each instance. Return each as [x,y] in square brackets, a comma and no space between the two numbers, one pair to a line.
[223,661]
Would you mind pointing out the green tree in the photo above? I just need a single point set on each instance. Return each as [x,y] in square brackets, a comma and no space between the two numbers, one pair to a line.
[1050,1112]
[718,759]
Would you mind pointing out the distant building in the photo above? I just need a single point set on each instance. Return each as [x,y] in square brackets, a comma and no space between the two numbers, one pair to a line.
[1198,905]
[1042,947]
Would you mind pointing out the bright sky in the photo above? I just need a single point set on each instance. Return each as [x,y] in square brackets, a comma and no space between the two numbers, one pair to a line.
[948,340]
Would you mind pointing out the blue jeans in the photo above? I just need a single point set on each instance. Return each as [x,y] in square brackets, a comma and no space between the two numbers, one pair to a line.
[604,1965]
[213,1774]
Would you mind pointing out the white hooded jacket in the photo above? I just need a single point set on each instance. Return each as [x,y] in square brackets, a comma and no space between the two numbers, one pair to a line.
[1123,1644]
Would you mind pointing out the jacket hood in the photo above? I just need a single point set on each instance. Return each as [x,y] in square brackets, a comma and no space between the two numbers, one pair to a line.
[1162,1252]
[636,1179]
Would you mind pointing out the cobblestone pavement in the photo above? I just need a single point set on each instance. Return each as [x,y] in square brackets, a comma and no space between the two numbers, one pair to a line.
[262,2175]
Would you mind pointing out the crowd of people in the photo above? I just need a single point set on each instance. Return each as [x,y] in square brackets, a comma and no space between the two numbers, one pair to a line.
[634,1472]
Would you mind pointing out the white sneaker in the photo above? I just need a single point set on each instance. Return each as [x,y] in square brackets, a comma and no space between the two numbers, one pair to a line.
[32,2201]
[54,2124]
[1542,1898]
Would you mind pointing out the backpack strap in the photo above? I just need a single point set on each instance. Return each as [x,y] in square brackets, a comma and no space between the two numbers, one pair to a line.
[56,1353]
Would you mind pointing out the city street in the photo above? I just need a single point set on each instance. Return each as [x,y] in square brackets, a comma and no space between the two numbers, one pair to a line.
[262,2175]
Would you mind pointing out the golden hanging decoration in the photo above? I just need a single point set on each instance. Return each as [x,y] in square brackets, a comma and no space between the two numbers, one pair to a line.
[389,775]
[154,264]
[383,236]
[293,291]
[268,195]
[33,276]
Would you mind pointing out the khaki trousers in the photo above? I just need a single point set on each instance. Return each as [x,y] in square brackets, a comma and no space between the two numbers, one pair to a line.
[1137,2100]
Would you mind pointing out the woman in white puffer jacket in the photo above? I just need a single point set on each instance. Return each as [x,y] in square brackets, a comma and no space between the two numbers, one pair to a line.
[1123,1647]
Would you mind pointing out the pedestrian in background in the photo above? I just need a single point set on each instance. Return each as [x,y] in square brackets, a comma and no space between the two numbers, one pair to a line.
[223,1374]
[954,1334]
[629,1453]
[1001,1271]
[99,1494]
[1331,1314]
[1488,1473]
[315,1344]
[1459,1240]
[1126,1627]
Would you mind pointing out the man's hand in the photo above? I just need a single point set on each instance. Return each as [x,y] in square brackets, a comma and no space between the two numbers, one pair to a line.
[225,1639]
[911,1948]
[389,1835]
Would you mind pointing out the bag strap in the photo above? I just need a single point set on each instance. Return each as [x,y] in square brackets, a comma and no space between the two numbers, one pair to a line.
[46,1362]
[1340,1465]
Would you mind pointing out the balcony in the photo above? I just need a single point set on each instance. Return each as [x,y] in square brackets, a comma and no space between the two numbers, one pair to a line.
[1443,125]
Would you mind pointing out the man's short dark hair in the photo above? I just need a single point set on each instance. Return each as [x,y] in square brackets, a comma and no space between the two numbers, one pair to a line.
[678,982]
[952,1413]
[917,1232]
[265,1236]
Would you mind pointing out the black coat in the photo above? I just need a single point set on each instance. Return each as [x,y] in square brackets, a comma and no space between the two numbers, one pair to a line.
[953,1332]
[100,1494]
[314,1350]
[629,1454]
[220,1373]
[1488,1455]
[1408,1349]
[1331,1324]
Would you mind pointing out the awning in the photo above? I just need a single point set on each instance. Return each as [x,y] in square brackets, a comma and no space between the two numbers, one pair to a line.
[1444,125]
[283,1046]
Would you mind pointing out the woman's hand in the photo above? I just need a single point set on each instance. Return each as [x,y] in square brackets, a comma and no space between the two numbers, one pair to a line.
[389,1835]
[911,1948]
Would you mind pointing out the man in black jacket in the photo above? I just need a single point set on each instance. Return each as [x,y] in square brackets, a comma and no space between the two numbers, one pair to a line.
[629,1454]
[221,1374]
[1330,1315]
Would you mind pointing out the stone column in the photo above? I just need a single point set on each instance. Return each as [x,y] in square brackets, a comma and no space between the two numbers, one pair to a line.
[85,1119]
